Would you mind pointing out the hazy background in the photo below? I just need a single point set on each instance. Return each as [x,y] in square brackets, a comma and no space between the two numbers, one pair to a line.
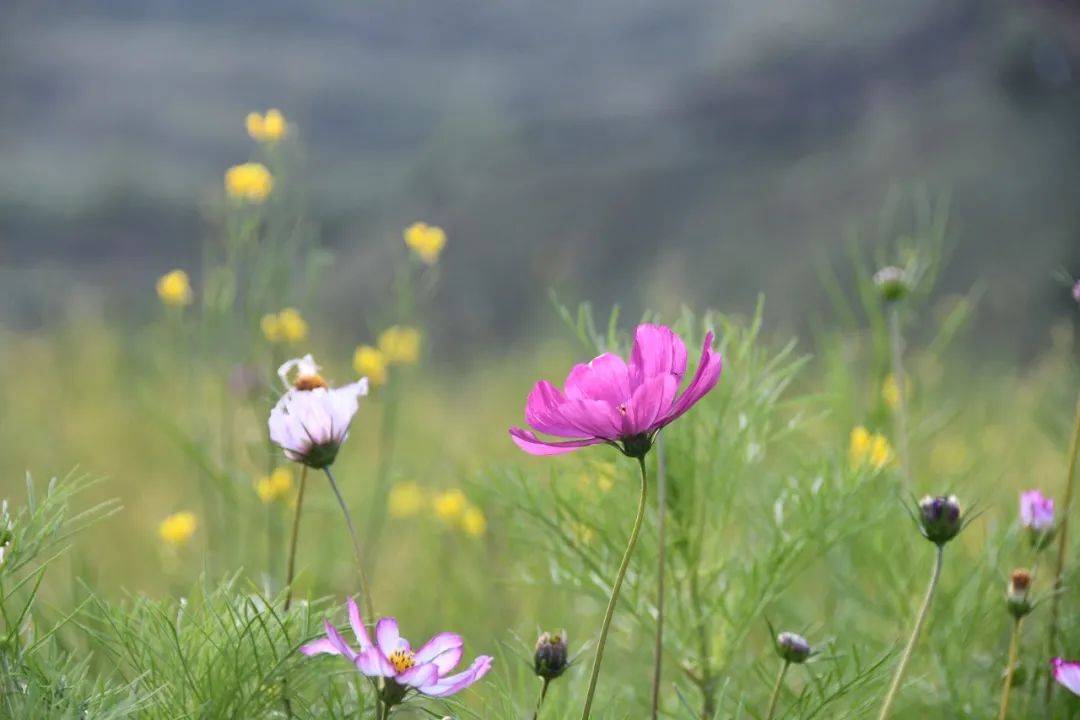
[634,152]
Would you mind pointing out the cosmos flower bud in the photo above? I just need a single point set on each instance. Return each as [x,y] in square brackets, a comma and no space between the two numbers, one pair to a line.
[1037,515]
[551,658]
[1017,595]
[892,283]
[792,648]
[939,518]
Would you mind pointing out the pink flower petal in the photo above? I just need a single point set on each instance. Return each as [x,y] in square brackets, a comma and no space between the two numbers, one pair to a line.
[543,411]
[456,683]
[388,635]
[419,676]
[373,663]
[358,625]
[1068,674]
[657,351]
[604,378]
[334,644]
[708,374]
[443,650]
[652,399]
[533,445]
[320,647]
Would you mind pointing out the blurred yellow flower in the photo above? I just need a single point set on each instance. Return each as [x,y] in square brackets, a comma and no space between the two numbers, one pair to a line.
[473,522]
[287,326]
[890,391]
[370,363]
[177,528]
[425,240]
[250,181]
[174,288]
[949,456]
[406,500]
[275,486]
[869,449]
[602,474]
[450,505]
[270,127]
[581,532]
[400,344]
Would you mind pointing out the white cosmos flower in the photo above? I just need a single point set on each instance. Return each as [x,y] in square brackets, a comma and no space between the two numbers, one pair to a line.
[311,420]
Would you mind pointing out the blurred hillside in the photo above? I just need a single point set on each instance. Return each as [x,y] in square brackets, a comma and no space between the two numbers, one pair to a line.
[626,152]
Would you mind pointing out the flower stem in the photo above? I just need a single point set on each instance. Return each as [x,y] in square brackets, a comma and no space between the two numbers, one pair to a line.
[775,697]
[896,345]
[368,605]
[1059,566]
[920,620]
[613,601]
[661,503]
[387,433]
[291,570]
[543,694]
[1014,652]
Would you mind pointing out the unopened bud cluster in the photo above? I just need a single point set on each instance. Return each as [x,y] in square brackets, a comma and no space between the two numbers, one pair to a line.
[552,655]
[792,648]
[939,518]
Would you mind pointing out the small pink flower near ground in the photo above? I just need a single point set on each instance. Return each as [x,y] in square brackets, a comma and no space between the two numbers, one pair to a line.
[426,671]
[1067,673]
[610,401]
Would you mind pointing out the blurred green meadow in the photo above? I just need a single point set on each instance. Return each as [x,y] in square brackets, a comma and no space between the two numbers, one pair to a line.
[147,580]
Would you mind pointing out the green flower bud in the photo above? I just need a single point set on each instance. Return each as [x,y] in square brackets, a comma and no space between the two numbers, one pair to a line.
[939,518]
[792,648]
[892,283]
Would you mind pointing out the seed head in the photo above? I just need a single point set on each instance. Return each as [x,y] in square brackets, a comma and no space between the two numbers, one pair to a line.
[1017,595]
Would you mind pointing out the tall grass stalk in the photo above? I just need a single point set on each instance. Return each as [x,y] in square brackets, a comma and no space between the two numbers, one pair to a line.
[661,503]
[1063,544]
[1010,671]
[613,601]
[920,620]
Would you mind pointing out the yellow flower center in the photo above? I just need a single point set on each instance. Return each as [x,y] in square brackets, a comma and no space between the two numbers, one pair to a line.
[309,382]
[402,660]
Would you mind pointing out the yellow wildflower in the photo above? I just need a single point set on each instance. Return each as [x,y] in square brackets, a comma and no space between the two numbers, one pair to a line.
[174,288]
[869,449]
[370,363]
[581,533]
[287,326]
[425,240]
[406,500]
[890,391]
[473,522]
[177,528]
[275,486]
[266,128]
[450,505]
[400,344]
[250,181]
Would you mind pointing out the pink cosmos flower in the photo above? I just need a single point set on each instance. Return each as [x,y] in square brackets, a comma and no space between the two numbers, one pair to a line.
[623,404]
[1076,291]
[311,420]
[1067,673]
[425,670]
[1036,511]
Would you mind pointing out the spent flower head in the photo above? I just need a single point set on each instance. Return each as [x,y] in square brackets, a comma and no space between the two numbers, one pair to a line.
[940,518]
[793,648]
[174,288]
[551,657]
[892,282]
[1017,594]
[614,402]
[427,241]
[405,671]
[312,420]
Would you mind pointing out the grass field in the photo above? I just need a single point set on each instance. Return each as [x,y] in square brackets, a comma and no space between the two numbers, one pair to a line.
[789,492]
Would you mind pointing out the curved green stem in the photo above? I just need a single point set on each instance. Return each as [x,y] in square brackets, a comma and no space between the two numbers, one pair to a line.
[1059,567]
[920,620]
[661,504]
[775,697]
[543,694]
[595,674]
[294,538]
[1014,652]
[369,607]
[896,347]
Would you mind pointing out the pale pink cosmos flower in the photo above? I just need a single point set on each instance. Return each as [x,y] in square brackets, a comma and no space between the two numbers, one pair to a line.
[311,420]
[1067,673]
[1036,511]
[426,670]
[1076,291]
[623,404]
